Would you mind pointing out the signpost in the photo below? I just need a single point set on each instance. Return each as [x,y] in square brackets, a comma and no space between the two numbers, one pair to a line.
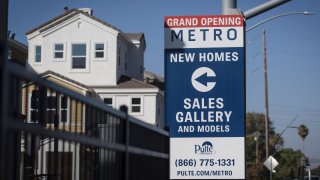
[205,96]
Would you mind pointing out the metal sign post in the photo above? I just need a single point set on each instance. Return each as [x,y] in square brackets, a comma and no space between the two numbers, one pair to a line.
[205,96]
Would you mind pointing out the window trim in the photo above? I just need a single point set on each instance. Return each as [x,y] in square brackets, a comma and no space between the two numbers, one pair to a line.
[64,52]
[35,54]
[93,54]
[86,69]
[141,105]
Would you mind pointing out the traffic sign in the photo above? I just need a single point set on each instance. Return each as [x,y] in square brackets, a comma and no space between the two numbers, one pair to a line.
[205,96]
[270,163]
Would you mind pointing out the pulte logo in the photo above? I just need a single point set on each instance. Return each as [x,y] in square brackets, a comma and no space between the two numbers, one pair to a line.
[205,148]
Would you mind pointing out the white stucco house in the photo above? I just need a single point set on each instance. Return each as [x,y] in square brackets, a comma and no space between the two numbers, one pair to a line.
[81,47]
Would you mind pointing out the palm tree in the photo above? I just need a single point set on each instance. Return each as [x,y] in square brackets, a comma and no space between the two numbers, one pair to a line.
[303,132]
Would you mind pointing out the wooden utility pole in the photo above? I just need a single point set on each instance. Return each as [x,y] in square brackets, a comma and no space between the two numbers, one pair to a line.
[266,104]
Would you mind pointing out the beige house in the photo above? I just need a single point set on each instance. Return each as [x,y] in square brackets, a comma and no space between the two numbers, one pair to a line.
[69,113]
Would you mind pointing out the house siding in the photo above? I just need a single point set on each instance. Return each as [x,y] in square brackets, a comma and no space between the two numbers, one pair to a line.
[76,109]
[149,101]
[79,29]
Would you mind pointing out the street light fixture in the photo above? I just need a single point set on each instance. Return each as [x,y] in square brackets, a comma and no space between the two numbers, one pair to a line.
[277,16]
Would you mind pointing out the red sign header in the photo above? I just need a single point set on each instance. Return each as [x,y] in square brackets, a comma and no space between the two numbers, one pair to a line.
[203,21]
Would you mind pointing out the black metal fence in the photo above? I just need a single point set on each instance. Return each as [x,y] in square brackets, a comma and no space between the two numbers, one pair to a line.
[50,132]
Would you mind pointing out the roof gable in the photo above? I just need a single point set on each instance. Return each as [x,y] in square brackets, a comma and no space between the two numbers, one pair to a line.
[130,37]
[64,17]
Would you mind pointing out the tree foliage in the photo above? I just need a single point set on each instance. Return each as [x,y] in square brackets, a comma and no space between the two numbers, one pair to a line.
[255,145]
[316,171]
[289,160]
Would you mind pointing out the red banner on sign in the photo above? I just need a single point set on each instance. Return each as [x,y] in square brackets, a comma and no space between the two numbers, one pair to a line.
[203,21]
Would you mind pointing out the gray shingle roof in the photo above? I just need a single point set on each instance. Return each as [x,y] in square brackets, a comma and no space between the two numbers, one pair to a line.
[64,78]
[126,82]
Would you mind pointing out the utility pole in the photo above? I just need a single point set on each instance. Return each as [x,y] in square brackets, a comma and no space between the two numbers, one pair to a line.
[266,104]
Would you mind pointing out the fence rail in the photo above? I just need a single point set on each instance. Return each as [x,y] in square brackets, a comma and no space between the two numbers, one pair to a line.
[51,132]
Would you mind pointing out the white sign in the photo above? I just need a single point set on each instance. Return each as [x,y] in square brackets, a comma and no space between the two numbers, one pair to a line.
[270,163]
[205,96]
[207,158]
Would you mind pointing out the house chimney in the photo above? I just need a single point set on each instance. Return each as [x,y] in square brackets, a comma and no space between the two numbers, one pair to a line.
[87,10]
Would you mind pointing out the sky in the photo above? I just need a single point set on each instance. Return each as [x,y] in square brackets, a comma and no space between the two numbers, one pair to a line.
[292,45]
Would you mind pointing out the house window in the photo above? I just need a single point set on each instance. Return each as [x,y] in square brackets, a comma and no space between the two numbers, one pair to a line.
[126,55]
[38,54]
[9,54]
[58,51]
[51,109]
[126,59]
[64,108]
[119,56]
[108,101]
[141,69]
[79,52]
[57,109]
[34,107]
[99,51]
[136,106]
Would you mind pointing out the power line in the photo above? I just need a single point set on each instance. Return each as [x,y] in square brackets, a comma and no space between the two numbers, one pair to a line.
[294,53]
[295,107]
